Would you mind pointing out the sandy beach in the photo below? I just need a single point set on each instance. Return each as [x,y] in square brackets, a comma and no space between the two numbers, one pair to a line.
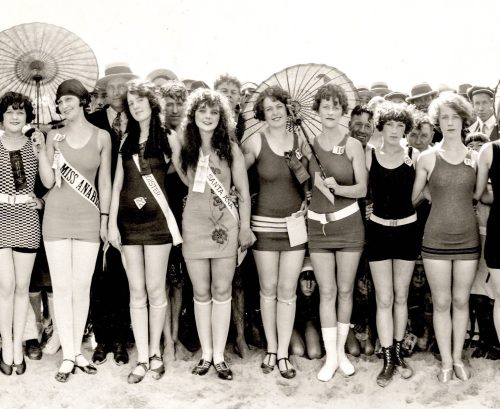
[250,389]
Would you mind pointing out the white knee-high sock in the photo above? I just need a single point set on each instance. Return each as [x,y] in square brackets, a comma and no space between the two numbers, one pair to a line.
[285,316]
[344,363]
[157,315]
[203,316]
[140,328]
[268,311]
[221,318]
[331,362]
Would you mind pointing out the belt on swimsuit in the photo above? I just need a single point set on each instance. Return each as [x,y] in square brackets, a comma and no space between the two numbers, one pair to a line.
[325,218]
[14,199]
[393,222]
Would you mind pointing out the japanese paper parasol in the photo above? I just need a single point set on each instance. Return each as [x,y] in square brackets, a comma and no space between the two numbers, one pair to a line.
[302,81]
[36,57]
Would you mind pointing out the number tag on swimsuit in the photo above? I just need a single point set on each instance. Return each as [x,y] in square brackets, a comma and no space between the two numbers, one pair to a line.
[338,150]
[140,202]
[298,154]
[469,162]
[408,161]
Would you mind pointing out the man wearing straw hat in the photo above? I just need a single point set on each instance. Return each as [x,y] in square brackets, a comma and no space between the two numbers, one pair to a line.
[109,300]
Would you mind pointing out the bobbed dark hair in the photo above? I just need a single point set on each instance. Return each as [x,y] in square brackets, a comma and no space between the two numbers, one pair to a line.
[17,101]
[275,93]
[330,92]
[389,111]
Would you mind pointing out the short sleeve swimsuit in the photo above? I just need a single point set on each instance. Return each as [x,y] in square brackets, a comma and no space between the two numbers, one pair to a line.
[391,193]
[346,233]
[67,214]
[19,225]
[279,196]
[451,231]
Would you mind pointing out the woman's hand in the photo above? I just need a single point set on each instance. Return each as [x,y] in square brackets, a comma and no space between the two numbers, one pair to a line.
[235,196]
[302,211]
[368,210]
[330,183]
[103,231]
[114,236]
[246,238]
[38,140]
[35,202]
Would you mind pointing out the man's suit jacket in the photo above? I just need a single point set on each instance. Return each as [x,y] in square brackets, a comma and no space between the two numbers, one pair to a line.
[100,119]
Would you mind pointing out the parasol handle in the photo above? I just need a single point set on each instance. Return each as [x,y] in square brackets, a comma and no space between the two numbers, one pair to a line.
[298,122]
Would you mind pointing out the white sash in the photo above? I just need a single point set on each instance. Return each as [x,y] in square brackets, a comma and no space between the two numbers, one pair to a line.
[203,172]
[74,179]
[157,193]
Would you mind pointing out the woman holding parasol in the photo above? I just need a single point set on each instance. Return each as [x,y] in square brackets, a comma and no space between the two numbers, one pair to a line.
[335,226]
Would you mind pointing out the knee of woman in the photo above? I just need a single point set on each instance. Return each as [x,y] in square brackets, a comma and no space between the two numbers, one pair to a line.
[7,289]
[156,294]
[401,299]
[461,302]
[285,291]
[202,295]
[344,294]
[22,289]
[221,293]
[441,304]
[269,289]
[297,349]
[328,294]
[314,352]
[138,298]
[385,301]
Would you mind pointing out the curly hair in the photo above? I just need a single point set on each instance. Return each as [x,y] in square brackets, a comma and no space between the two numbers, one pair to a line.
[157,144]
[388,111]
[454,101]
[223,134]
[174,89]
[330,92]
[275,93]
[229,79]
[17,101]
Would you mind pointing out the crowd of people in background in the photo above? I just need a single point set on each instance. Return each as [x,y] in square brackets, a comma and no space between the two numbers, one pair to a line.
[143,218]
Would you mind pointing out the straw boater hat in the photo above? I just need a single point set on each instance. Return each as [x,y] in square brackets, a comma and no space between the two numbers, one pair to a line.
[420,90]
[161,73]
[479,90]
[380,88]
[395,94]
[115,70]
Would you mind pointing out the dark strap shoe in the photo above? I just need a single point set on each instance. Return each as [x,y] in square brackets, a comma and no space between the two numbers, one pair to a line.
[202,368]
[223,371]
[289,372]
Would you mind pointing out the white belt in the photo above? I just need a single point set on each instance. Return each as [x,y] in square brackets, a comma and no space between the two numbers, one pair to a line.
[394,222]
[14,199]
[325,218]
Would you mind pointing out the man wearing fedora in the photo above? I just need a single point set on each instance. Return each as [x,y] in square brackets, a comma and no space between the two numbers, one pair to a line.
[421,96]
[396,97]
[380,88]
[109,300]
[482,102]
